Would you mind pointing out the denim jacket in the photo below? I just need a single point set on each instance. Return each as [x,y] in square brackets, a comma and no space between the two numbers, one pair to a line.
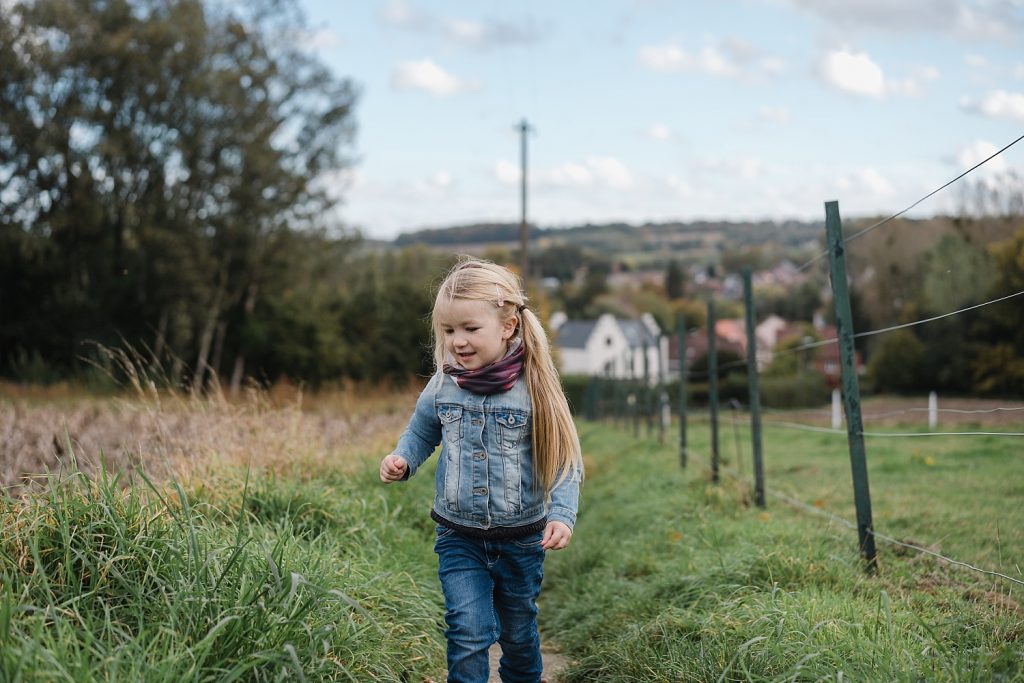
[485,474]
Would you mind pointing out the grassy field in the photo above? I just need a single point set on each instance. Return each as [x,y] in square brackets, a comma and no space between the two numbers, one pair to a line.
[266,550]
[675,579]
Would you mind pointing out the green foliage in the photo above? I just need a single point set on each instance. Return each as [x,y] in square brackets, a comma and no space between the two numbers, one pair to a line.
[670,578]
[898,362]
[287,581]
[794,391]
[795,304]
[958,273]
[162,166]
[999,330]
[675,280]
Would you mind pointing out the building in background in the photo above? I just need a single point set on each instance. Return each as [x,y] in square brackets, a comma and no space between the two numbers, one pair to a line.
[611,347]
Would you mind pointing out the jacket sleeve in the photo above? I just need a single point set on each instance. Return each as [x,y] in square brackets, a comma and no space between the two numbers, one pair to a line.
[423,434]
[565,498]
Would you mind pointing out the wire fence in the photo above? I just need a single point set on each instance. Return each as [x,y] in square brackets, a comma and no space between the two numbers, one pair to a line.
[645,401]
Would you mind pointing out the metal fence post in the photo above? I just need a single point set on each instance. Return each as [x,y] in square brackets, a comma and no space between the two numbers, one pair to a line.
[713,389]
[851,387]
[681,351]
[755,394]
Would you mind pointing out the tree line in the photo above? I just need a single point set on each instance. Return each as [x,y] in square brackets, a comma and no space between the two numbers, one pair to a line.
[162,186]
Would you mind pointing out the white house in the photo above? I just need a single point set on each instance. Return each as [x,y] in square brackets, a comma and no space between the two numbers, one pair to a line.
[611,347]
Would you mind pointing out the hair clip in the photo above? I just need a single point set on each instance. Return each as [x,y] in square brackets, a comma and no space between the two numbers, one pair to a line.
[501,298]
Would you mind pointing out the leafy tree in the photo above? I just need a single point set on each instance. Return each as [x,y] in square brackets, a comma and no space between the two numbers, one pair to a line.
[797,303]
[898,362]
[999,330]
[675,281]
[154,156]
[957,273]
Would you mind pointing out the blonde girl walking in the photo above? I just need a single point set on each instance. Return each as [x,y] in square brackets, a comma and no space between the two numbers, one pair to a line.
[508,478]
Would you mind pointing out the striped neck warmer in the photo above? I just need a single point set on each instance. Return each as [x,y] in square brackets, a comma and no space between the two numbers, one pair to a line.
[495,378]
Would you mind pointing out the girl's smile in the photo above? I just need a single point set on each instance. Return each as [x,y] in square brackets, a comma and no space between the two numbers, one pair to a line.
[474,333]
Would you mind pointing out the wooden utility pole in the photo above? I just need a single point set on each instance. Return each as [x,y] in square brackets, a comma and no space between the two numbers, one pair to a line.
[524,261]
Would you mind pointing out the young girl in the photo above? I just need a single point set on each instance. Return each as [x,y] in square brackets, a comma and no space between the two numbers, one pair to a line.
[509,472]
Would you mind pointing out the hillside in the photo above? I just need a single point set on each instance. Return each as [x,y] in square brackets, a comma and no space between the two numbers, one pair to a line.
[649,243]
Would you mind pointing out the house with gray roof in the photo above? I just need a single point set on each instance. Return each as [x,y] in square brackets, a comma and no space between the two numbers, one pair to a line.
[610,346]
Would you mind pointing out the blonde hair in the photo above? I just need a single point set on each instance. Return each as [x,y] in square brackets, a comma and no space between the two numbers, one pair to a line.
[556,446]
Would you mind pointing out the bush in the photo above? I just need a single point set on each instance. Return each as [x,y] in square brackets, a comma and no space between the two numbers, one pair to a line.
[794,391]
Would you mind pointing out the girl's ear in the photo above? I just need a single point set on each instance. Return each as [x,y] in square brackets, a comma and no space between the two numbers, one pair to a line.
[509,328]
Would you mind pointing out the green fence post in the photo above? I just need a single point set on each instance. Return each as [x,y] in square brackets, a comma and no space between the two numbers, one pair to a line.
[713,389]
[681,351]
[646,395]
[662,404]
[755,393]
[851,387]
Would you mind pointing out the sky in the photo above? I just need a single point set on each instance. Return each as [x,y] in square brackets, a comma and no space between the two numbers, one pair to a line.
[661,110]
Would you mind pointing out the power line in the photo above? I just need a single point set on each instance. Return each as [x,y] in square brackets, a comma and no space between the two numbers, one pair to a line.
[900,213]
[826,430]
[833,340]
[823,513]
[898,434]
[938,317]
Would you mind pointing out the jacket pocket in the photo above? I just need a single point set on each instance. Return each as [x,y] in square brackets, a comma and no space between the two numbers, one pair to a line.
[513,427]
[451,421]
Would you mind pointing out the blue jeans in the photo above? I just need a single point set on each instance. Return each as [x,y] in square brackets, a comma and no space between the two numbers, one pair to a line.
[490,594]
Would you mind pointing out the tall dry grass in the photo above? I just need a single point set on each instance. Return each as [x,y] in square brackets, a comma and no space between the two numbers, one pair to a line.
[169,433]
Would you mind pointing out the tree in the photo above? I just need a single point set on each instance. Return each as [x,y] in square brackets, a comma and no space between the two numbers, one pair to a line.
[999,330]
[897,363]
[153,156]
[675,281]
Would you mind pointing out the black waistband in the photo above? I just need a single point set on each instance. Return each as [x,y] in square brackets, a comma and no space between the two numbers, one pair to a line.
[496,533]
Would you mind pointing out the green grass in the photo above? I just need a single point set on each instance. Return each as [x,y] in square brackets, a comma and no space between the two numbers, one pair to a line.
[284,580]
[326,576]
[671,578]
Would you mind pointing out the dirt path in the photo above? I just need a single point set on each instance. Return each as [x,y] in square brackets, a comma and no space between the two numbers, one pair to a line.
[553,663]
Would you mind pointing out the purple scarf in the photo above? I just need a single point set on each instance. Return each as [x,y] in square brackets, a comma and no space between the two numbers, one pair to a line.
[495,378]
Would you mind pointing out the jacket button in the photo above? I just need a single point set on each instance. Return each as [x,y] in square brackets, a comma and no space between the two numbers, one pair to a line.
[477,423]
[479,455]
[481,491]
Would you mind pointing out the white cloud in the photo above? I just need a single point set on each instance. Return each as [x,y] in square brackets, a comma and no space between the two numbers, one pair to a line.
[428,76]
[466,31]
[976,61]
[669,58]
[441,179]
[980,20]
[507,173]
[659,131]
[977,152]
[741,167]
[776,114]
[492,33]
[1018,70]
[853,72]
[679,186]
[611,172]
[997,104]
[865,180]
[728,58]
[592,172]
[402,14]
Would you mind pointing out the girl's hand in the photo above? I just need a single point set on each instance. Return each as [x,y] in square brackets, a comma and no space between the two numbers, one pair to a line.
[556,536]
[392,468]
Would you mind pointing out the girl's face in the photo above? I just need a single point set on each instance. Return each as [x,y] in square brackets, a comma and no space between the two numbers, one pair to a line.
[473,332]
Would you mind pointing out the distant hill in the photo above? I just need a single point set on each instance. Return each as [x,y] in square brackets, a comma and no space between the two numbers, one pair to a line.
[649,243]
